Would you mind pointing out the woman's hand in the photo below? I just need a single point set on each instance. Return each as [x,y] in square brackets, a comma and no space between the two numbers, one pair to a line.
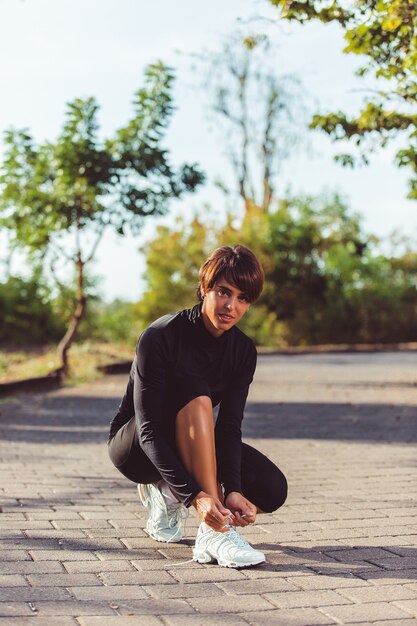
[212,511]
[240,506]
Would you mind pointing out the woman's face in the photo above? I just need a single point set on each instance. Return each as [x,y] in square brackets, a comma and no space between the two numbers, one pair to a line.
[223,306]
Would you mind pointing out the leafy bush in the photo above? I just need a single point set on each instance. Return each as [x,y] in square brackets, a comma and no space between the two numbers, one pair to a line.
[116,321]
[27,313]
[326,279]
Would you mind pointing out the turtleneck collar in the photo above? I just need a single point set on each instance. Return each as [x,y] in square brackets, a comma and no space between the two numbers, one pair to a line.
[196,318]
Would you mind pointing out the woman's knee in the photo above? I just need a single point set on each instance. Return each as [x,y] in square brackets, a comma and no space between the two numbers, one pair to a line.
[195,421]
[262,481]
[121,444]
[128,457]
[198,406]
[276,494]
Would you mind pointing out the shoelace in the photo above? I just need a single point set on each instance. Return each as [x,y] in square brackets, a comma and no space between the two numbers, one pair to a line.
[177,514]
[237,539]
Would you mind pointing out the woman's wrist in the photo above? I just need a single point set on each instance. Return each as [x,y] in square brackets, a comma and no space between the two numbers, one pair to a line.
[201,494]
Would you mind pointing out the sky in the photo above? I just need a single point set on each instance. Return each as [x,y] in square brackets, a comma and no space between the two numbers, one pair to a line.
[52,52]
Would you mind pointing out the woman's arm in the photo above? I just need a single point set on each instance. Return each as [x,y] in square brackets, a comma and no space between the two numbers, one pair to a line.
[148,396]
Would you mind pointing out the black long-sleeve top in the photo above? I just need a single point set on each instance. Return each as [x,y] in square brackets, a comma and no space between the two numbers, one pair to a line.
[177,359]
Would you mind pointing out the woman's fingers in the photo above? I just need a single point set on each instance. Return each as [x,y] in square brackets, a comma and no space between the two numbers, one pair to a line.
[219,518]
[245,513]
[215,525]
[223,511]
[220,515]
[212,512]
[217,522]
[240,520]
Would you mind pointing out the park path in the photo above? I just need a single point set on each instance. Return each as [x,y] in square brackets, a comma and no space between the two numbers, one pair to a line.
[343,549]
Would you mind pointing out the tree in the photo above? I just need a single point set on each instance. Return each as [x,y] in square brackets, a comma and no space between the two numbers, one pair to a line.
[326,279]
[385,33]
[258,113]
[57,198]
[173,258]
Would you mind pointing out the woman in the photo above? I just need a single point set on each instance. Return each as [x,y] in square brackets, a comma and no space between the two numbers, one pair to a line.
[164,436]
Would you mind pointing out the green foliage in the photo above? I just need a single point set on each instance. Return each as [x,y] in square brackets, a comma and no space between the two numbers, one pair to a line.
[79,185]
[385,33]
[114,322]
[172,262]
[326,280]
[27,313]
[382,30]
[79,182]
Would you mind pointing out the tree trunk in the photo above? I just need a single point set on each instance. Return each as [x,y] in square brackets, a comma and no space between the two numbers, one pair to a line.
[66,341]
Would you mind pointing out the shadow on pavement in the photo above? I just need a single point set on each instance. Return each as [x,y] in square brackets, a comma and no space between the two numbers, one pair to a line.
[366,562]
[80,419]
[374,568]
[370,562]
[331,421]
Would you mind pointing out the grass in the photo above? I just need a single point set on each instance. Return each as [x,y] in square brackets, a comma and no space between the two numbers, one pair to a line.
[84,358]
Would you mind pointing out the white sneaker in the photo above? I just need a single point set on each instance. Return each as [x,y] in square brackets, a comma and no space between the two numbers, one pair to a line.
[166,522]
[229,549]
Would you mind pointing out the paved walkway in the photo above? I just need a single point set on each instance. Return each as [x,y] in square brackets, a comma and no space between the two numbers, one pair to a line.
[343,550]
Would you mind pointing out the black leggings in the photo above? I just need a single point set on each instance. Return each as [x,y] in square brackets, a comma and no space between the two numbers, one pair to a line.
[263,483]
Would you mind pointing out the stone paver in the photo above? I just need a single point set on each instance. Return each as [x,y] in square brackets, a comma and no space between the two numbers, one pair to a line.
[225,619]
[231,604]
[34,621]
[408,605]
[300,599]
[125,620]
[293,617]
[373,611]
[343,549]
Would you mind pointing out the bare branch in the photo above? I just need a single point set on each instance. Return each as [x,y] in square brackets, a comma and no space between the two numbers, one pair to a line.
[268,147]
[252,101]
[59,251]
[52,269]
[96,243]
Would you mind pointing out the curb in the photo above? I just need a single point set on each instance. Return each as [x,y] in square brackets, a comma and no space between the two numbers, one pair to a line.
[54,379]
[120,367]
[340,348]
[40,383]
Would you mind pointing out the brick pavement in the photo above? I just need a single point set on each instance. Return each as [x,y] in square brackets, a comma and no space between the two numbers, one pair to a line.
[343,550]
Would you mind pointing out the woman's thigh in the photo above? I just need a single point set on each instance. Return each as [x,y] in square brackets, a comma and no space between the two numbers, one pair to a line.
[263,483]
[129,458]
[124,449]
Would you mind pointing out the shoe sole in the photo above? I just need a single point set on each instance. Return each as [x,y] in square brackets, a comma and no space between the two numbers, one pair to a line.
[206,557]
[157,538]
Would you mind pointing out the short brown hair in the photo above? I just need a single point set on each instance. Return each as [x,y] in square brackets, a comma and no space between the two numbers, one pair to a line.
[238,265]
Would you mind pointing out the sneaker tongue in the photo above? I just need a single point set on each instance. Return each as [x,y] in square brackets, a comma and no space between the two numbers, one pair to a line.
[169,497]
[237,539]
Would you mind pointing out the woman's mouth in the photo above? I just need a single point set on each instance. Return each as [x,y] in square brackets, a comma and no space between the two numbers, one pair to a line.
[224,317]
